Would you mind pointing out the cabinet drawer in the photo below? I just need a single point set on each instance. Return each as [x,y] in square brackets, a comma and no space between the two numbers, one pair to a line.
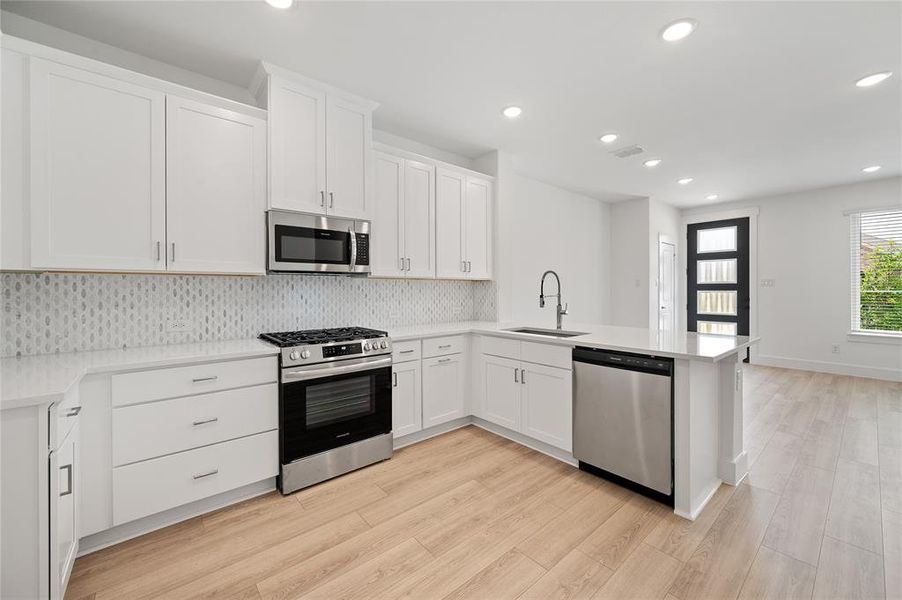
[547,354]
[441,346]
[404,351]
[157,428]
[148,487]
[144,386]
[499,346]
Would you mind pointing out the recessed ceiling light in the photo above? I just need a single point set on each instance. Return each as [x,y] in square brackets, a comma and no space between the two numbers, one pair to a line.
[608,138]
[679,30]
[653,162]
[280,3]
[512,112]
[873,79]
[871,169]
[711,197]
[684,181]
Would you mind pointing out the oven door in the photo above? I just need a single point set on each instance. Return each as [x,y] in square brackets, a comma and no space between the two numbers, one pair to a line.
[326,406]
[315,243]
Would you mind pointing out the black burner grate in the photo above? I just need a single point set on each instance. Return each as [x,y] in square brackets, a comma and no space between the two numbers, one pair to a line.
[320,336]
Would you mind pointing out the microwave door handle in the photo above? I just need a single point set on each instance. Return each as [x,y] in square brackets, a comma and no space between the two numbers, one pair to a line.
[306,373]
[353,248]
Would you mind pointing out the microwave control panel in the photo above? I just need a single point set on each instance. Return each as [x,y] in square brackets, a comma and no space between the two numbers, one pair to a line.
[363,248]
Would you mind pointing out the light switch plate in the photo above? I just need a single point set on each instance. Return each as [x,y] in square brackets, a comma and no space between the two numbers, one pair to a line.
[768,283]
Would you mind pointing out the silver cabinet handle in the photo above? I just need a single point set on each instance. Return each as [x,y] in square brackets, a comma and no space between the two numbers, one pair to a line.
[173,251]
[523,376]
[443,360]
[394,377]
[74,412]
[205,421]
[444,346]
[515,375]
[68,470]
[401,260]
[207,474]
[408,263]
[405,351]
[463,266]
[331,200]
[202,379]
[158,251]
[322,198]
[469,267]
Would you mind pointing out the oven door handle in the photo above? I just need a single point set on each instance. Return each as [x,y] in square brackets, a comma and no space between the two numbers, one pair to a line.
[351,366]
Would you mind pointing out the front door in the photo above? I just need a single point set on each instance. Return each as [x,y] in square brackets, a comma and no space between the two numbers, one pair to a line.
[717,290]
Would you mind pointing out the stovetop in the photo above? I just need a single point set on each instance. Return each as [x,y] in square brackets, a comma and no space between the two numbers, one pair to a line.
[310,337]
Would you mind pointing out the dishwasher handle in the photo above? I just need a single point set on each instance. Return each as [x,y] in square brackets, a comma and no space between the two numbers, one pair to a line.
[654,365]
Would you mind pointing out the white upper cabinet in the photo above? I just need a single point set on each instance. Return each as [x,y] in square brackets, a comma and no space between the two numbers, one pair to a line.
[216,189]
[320,146]
[463,226]
[297,146]
[97,171]
[388,191]
[450,197]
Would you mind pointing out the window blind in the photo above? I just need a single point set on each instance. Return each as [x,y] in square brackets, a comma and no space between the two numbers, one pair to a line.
[876,260]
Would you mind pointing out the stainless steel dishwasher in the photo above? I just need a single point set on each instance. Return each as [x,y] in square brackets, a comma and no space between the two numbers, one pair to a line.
[623,419]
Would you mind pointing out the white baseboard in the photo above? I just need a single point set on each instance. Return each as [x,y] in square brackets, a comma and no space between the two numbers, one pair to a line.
[127,531]
[431,432]
[828,367]
[521,439]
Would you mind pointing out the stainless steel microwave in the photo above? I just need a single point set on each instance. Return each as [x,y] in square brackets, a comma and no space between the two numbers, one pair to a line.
[302,243]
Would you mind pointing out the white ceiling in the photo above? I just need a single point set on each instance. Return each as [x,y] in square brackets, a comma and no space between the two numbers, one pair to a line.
[760,100]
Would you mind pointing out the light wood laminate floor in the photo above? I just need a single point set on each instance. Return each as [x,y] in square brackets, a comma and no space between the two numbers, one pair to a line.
[472,515]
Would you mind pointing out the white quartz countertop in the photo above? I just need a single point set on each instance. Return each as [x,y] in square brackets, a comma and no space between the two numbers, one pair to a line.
[692,346]
[46,378]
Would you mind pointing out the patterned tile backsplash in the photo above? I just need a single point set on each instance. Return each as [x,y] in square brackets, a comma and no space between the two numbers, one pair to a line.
[47,313]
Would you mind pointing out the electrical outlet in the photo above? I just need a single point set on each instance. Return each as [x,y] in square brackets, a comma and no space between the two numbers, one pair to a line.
[178,325]
[835,348]
[768,283]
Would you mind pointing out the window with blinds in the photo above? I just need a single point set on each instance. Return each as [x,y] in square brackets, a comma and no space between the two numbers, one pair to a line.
[877,271]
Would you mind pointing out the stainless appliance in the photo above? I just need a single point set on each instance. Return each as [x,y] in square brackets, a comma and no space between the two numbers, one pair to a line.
[623,419]
[334,403]
[302,243]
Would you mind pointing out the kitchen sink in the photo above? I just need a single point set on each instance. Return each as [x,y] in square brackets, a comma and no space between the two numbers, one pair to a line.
[547,332]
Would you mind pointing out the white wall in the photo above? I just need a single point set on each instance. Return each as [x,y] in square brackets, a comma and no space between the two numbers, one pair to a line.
[629,279]
[803,245]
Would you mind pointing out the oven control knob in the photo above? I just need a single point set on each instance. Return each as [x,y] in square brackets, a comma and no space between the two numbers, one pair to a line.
[383,344]
[305,354]
[366,347]
[294,355]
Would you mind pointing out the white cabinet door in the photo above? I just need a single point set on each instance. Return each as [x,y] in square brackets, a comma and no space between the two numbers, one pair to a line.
[216,189]
[443,389]
[449,234]
[67,507]
[547,404]
[297,146]
[406,398]
[501,394]
[97,171]
[388,199]
[419,218]
[349,131]
[478,228]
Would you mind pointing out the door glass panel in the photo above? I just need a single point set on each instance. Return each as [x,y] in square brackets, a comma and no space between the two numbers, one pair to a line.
[717,271]
[721,239]
[717,303]
[717,328]
[339,400]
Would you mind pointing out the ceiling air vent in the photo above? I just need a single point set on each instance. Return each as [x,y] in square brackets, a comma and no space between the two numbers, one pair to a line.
[628,151]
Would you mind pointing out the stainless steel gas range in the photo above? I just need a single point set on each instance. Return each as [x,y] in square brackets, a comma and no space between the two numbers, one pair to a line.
[334,403]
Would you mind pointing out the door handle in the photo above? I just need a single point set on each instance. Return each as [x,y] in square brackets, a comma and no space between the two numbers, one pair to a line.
[68,470]
[515,376]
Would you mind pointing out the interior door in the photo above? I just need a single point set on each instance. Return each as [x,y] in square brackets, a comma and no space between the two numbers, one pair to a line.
[348,146]
[478,228]
[297,146]
[717,290]
[502,391]
[98,176]
[419,218]
[388,197]
[666,288]
[216,189]
[450,193]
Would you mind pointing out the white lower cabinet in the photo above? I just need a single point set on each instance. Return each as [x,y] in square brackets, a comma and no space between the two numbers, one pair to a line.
[443,389]
[68,472]
[406,399]
[529,398]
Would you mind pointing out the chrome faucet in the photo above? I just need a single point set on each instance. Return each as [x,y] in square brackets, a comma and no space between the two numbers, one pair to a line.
[561,310]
